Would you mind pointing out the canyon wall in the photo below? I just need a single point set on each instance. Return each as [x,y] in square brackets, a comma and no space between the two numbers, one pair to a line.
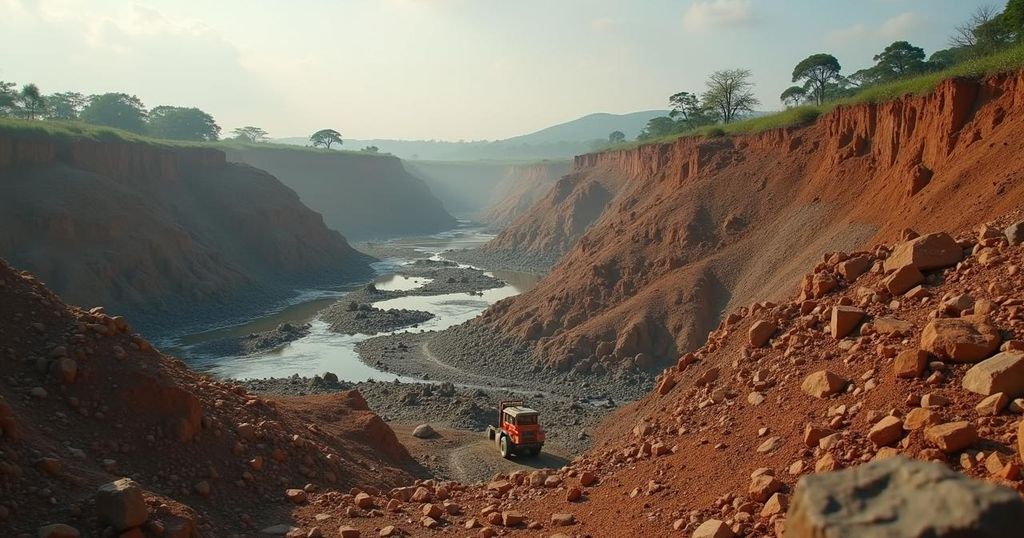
[661,239]
[363,196]
[521,186]
[167,234]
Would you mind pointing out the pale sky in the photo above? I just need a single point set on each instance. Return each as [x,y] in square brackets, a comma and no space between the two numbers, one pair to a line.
[440,69]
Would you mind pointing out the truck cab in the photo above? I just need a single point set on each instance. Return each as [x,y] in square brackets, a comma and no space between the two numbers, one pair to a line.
[518,430]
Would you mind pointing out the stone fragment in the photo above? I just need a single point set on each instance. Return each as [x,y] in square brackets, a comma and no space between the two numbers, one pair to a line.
[952,436]
[762,487]
[928,252]
[760,332]
[910,363]
[121,505]
[823,383]
[966,339]
[1003,372]
[992,405]
[902,497]
[713,528]
[887,431]
[903,279]
[845,320]
[424,431]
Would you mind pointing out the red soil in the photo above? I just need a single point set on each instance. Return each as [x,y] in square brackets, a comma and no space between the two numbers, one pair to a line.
[83,401]
[681,232]
[522,186]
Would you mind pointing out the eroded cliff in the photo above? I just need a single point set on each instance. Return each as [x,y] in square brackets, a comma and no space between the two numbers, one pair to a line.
[150,229]
[662,239]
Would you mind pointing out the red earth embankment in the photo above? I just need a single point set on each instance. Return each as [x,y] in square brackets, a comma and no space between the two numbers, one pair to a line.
[662,239]
[144,228]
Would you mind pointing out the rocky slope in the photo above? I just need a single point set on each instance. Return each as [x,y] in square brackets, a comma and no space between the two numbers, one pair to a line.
[363,196]
[910,351]
[158,231]
[662,239]
[85,402]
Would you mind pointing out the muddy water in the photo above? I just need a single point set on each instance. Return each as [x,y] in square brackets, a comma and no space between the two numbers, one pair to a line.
[322,350]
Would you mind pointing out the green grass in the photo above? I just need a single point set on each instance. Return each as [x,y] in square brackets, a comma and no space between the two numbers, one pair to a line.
[1006,61]
[76,130]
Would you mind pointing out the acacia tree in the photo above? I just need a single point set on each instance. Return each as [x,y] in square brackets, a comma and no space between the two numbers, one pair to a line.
[7,95]
[325,138]
[793,95]
[817,71]
[617,137]
[250,134]
[899,60]
[730,94]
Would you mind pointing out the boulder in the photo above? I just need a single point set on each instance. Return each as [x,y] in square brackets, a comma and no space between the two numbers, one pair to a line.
[910,363]
[121,505]
[845,320]
[666,384]
[901,497]
[424,431]
[1015,233]
[992,405]
[762,487]
[713,528]
[952,436]
[903,279]
[854,267]
[760,332]
[823,383]
[511,518]
[562,520]
[892,326]
[1003,372]
[887,431]
[928,252]
[966,339]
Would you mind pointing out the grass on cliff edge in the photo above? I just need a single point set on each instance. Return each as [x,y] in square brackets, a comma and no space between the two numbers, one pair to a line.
[76,130]
[1006,61]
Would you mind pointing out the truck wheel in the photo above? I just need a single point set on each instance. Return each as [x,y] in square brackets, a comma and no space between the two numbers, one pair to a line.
[503,446]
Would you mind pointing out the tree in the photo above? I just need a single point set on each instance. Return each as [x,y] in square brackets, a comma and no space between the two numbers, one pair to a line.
[31,104]
[898,60]
[7,98]
[250,134]
[688,111]
[817,71]
[730,94]
[1012,19]
[370,149]
[325,138]
[656,127]
[984,32]
[616,137]
[118,110]
[65,105]
[181,123]
[793,95]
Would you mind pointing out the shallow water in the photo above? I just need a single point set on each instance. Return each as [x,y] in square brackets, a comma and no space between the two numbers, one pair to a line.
[322,350]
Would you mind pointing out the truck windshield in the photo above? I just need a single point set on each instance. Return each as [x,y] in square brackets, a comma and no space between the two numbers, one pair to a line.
[526,419]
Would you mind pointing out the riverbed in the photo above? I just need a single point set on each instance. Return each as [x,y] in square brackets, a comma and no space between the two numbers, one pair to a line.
[322,350]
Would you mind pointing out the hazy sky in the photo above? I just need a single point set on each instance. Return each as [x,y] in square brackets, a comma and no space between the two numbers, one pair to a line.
[445,69]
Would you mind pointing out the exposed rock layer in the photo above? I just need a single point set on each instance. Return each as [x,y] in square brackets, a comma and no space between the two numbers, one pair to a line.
[663,238]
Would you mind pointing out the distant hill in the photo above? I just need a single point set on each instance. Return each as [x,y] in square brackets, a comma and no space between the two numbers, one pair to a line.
[590,127]
[561,141]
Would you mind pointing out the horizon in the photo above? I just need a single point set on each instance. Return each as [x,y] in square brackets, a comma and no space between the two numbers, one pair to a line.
[404,72]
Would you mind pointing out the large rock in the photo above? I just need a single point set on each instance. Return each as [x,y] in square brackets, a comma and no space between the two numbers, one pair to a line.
[713,528]
[845,320]
[823,383]
[898,497]
[952,436]
[120,504]
[760,332]
[1015,233]
[928,252]
[966,339]
[1001,373]
[424,431]
[903,279]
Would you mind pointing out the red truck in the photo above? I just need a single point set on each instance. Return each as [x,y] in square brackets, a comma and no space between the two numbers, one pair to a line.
[518,430]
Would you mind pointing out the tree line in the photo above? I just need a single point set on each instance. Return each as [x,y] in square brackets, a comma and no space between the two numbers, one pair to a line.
[128,113]
[729,96]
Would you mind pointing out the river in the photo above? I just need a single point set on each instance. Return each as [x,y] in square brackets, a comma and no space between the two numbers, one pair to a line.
[325,351]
